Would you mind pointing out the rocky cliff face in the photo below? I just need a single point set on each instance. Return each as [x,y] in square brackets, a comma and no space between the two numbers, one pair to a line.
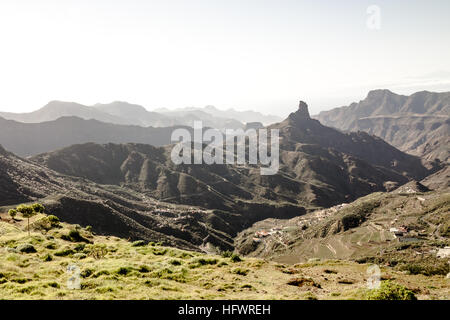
[417,124]
[319,166]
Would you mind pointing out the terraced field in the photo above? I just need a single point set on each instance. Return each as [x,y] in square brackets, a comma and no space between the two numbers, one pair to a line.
[355,230]
[62,261]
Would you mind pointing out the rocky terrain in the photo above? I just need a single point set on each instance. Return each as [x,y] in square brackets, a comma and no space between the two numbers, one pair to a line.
[127,212]
[319,167]
[27,139]
[418,124]
[63,261]
[407,228]
[347,196]
[124,113]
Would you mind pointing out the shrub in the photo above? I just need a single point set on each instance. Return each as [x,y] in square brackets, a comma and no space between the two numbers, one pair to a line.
[175,262]
[235,258]
[391,291]
[54,220]
[227,254]
[26,248]
[79,255]
[144,269]
[100,273]
[80,247]
[159,252]
[202,262]
[38,208]
[427,269]
[123,271]
[241,272]
[86,273]
[64,252]
[74,235]
[138,243]
[50,245]
[53,285]
[300,282]
[12,213]
[47,257]
[97,251]
[27,212]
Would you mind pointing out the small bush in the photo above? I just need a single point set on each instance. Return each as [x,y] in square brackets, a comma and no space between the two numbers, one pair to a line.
[123,271]
[79,255]
[64,252]
[329,271]
[227,254]
[159,252]
[97,251]
[38,208]
[235,258]
[391,291]
[50,245]
[53,285]
[175,262]
[54,220]
[86,273]
[80,247]
[12,213]
[204,262]
[138,243]
[144,269]
[26,248]
[427,269]
[47,257]
[300,282]
[100,273]
[240,271]
[75,236]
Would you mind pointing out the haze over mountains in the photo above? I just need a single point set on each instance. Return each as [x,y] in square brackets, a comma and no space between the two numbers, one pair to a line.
[120,178]
[418,124]
[319,166]
[125,113]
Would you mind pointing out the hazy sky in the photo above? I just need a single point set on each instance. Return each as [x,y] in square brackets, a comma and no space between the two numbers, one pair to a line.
[246,54]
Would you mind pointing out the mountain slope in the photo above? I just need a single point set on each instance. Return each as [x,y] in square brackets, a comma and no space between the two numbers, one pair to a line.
[417,124]
[361,230]
[127,212]
[113,268]
[124,113]
[57,109]
[27,139]
[241,116]
[137,115]
[319,167]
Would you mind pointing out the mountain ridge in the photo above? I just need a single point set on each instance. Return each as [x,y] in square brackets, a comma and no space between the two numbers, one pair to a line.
[418,124]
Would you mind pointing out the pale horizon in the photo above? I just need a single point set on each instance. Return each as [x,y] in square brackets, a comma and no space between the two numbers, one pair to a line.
[253,55]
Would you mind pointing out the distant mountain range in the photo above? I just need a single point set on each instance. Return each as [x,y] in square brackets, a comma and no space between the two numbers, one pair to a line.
[418,124]
[135,190]
[243,116]
[319,166]
[124,113]
[26,139]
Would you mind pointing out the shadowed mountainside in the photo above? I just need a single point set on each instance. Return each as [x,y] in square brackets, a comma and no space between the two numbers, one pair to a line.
[418,124]
[25,139]
[125,212]
[319,167]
